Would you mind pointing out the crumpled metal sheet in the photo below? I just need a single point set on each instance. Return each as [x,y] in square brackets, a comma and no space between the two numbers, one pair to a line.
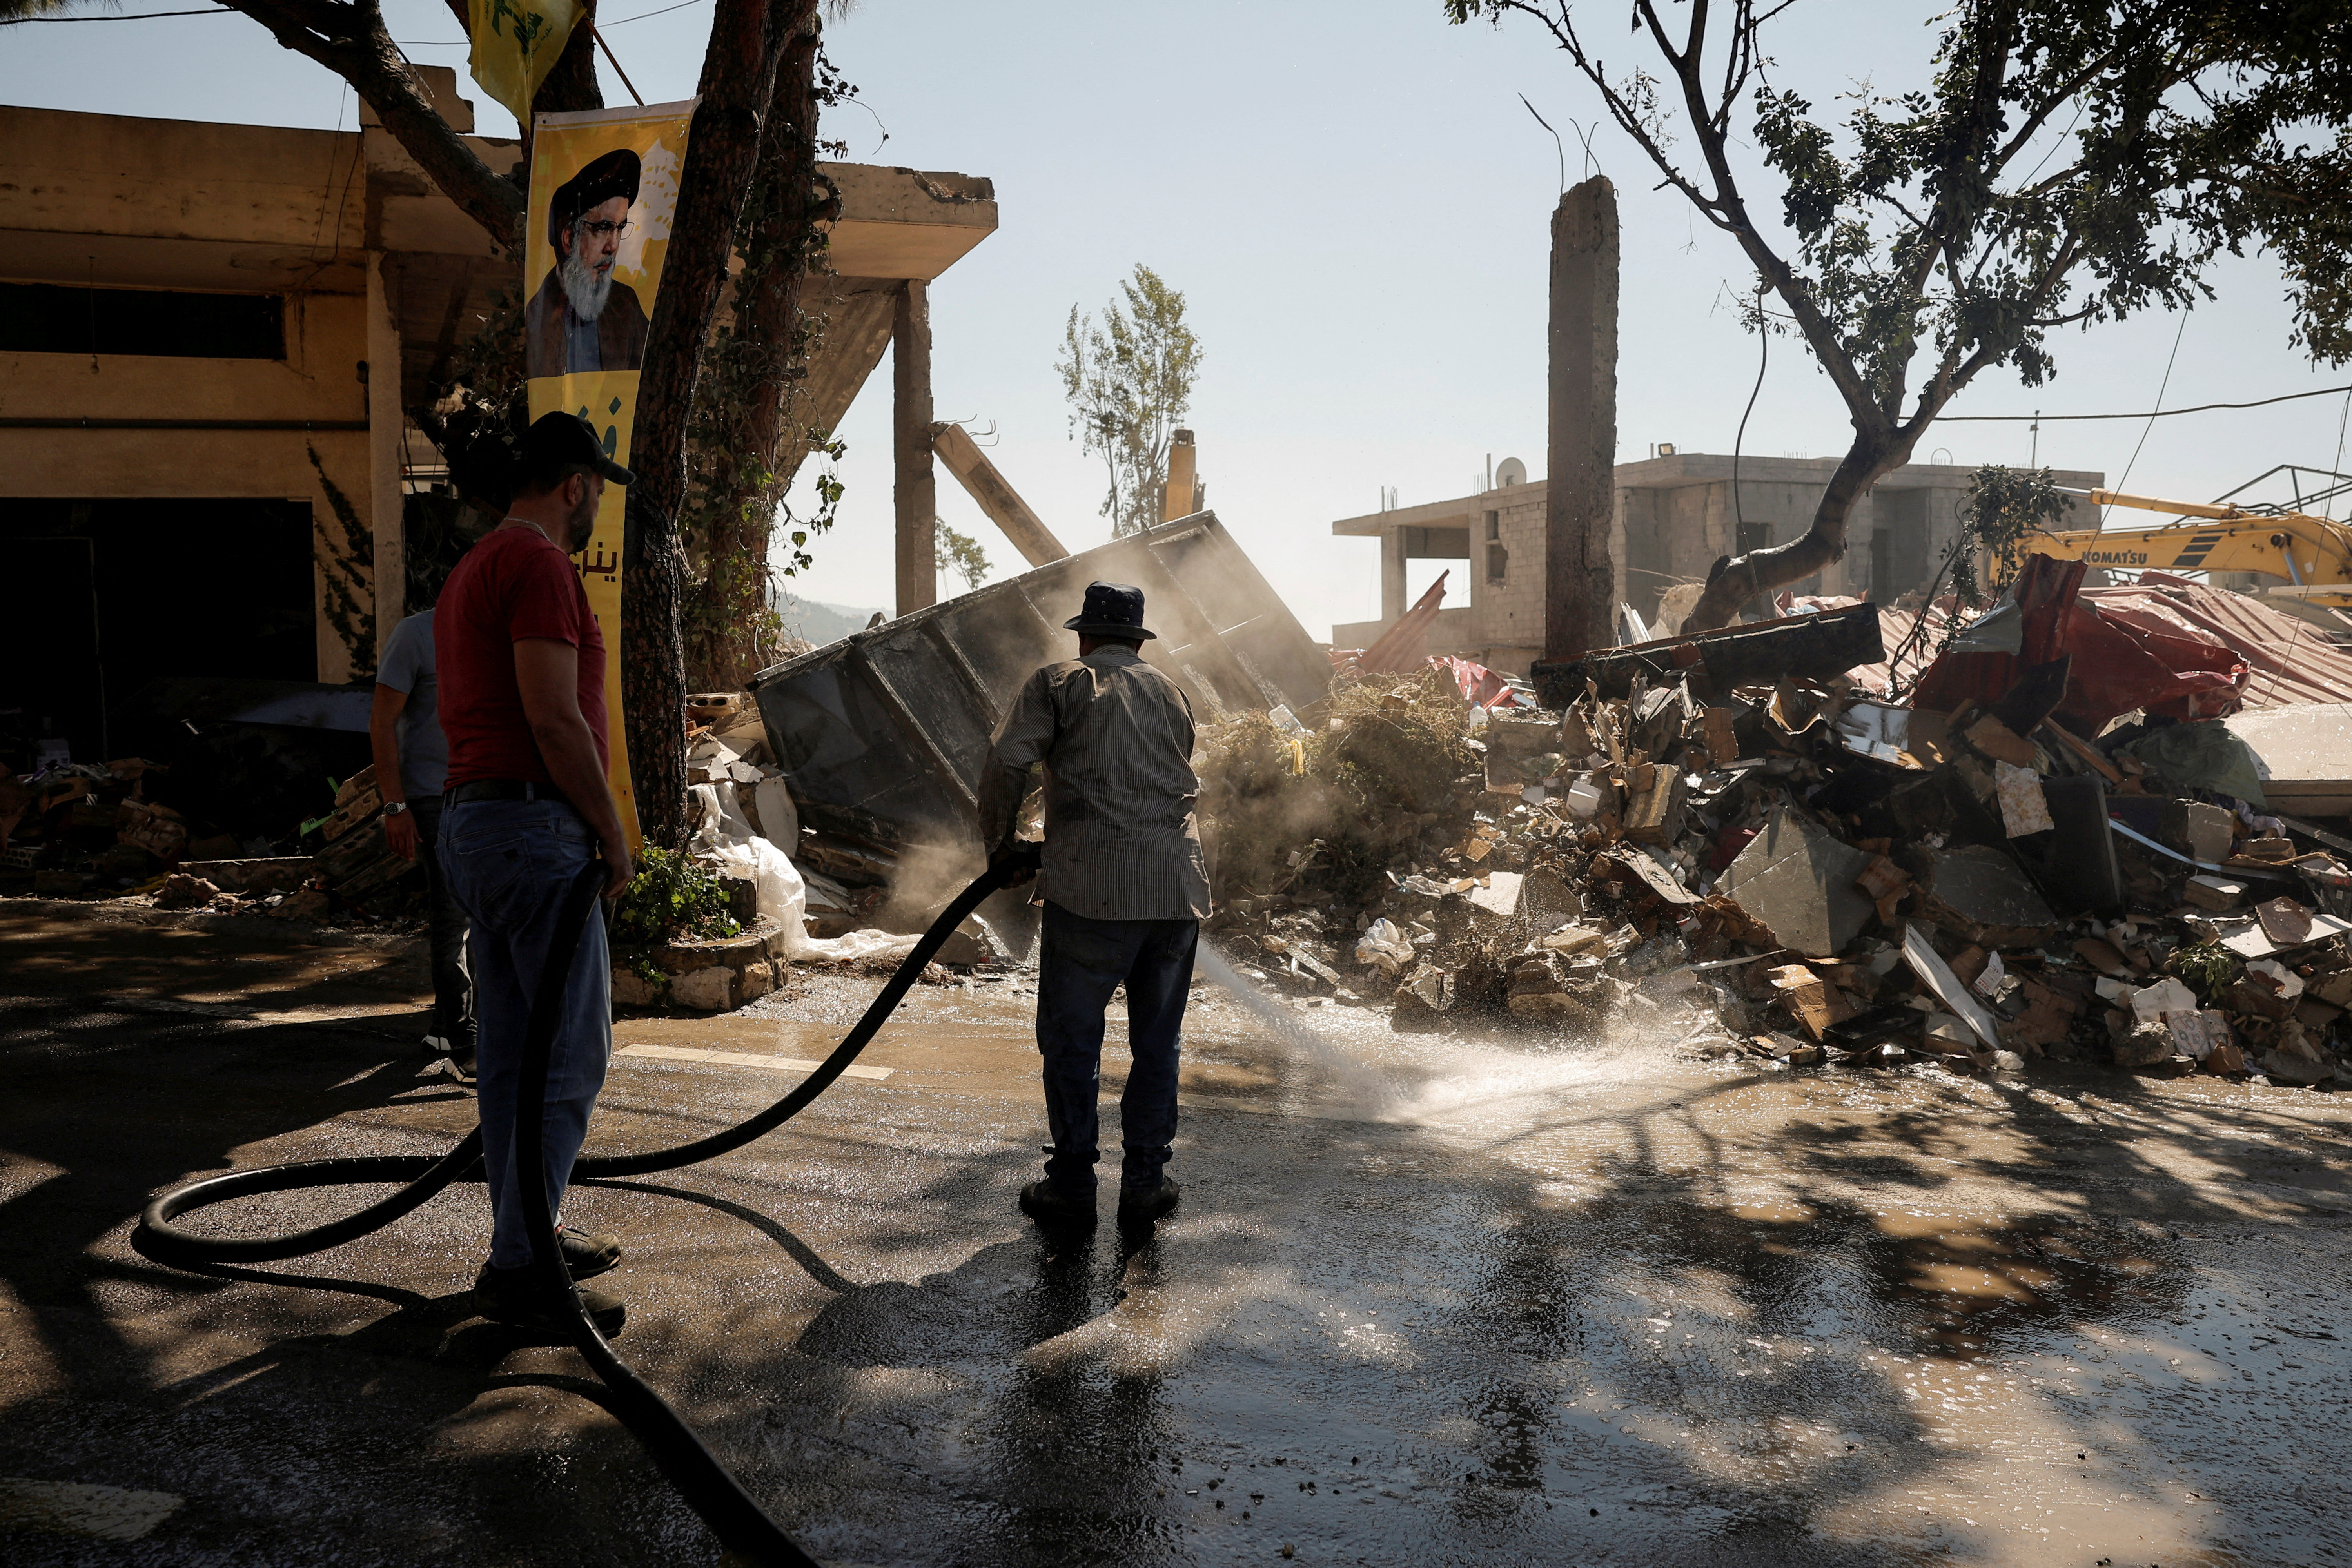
[2290,661]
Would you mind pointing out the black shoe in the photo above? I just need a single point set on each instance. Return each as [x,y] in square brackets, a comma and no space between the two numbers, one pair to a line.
[1140,1207]
[517,1298]
[585,1253]
[1050,1204]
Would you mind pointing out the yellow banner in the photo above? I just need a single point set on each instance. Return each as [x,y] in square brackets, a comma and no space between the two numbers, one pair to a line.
[515,46]
[604,186]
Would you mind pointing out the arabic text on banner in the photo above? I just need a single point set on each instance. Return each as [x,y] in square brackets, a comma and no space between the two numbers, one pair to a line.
[603,187]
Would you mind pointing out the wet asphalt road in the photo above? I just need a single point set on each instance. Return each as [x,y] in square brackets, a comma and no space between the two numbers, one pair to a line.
[1554,1305]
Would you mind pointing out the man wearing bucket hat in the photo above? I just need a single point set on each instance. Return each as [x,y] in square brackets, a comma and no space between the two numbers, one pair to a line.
[1125,890]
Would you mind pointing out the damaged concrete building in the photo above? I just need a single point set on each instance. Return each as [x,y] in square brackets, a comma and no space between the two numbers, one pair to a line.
[1675,514]
[208,334]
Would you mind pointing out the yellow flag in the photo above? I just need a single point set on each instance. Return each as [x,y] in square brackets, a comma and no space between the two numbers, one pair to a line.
[603,188]
[515,46]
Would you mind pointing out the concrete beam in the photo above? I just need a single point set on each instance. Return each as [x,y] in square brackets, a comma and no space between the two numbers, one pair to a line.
[998,499]
[917,489]
[385,424]
[1579,579]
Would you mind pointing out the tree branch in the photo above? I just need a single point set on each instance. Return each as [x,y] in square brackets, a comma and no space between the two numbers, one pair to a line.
[349,40]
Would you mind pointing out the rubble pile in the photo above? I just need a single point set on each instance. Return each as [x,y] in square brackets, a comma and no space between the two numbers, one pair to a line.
[84,831]
[1828,876]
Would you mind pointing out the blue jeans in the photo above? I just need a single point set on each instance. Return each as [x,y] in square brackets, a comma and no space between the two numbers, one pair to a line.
[1082,962]
[453,991]
[508,863]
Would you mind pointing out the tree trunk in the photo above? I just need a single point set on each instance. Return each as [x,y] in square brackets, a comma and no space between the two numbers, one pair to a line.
[738,76]
[736,499]
[788,173]
[1735,582]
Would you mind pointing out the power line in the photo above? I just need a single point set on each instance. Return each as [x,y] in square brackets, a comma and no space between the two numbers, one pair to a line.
[124,17]
[2159,413]
[2161,387]
[600,26]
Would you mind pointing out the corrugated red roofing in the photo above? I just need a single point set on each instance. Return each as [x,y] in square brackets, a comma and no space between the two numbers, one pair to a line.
[2291,661]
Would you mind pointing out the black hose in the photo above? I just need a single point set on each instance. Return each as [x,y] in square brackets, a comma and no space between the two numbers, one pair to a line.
[157,1237]
[742,1526]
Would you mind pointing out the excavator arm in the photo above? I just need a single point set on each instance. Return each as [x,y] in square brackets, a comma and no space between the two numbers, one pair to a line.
[2309,551]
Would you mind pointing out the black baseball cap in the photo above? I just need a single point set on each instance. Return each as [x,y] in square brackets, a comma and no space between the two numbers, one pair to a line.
[561,440]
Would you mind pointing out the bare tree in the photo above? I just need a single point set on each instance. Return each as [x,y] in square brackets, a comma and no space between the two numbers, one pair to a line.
[2072,162]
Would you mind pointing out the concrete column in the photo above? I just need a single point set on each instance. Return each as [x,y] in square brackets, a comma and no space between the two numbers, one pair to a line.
[916,490]
[1392,574]
[1176,495]
[1579,498]
[385,423]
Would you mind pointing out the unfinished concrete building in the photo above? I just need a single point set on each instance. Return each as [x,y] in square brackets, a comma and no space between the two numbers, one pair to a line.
[208,333]
[1675,516]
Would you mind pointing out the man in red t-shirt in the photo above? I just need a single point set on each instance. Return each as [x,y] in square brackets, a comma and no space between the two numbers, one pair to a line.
[520,661]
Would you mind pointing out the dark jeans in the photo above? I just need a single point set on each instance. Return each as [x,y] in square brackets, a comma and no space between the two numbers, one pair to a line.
[452,988]
[1081,962]
[509,863]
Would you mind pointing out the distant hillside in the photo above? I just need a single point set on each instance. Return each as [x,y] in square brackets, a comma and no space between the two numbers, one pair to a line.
[821,624]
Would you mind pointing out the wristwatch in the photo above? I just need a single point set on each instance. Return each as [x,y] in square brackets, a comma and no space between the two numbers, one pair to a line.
[396,807]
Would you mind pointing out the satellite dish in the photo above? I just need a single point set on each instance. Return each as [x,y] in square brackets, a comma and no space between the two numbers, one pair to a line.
[1508,472]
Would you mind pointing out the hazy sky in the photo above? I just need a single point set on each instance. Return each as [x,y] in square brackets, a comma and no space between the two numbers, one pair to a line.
[1355,205]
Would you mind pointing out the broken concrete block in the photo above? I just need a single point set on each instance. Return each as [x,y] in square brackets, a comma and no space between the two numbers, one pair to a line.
[181,891]
[1546,896]
[2284,922]
[2298,1061]
[1998,742]
[1977,894]
[2334,989]
[2208,891]
[2022,809]
[1500,896]
[1656,807]
[1576,939]
[2166,996]
[1798,882]
[2277,976]
[2252,998]
[2199,830]
[2147,1044]
[2200,1032]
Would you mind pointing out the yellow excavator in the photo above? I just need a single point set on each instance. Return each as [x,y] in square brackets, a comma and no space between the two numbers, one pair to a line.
[2314,554]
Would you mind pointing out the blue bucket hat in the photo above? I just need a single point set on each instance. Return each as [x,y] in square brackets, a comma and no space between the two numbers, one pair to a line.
[1112,610]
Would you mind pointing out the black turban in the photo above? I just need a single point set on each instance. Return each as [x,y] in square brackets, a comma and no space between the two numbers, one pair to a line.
[614,174]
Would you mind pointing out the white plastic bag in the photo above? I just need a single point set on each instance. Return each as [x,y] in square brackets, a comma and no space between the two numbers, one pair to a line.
[726,837]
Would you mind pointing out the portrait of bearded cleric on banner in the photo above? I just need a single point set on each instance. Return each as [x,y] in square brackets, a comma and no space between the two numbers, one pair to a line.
[581,319]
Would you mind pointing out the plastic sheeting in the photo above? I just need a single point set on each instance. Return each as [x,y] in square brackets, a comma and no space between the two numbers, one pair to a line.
[724,834]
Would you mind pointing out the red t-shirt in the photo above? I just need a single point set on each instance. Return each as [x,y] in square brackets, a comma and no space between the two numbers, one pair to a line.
[511,585]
